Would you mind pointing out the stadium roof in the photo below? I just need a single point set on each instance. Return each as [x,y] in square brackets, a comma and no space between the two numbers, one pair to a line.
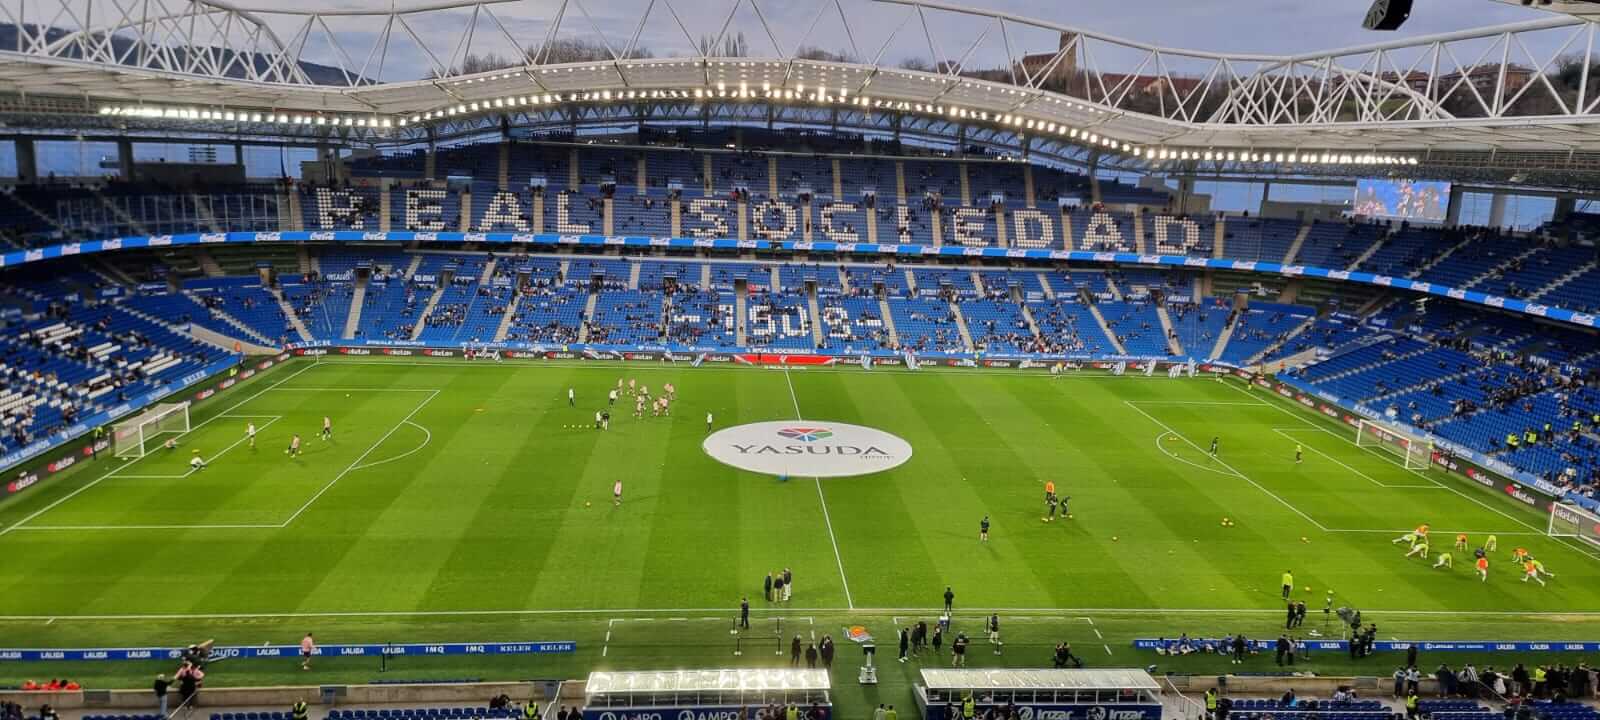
[1519,92]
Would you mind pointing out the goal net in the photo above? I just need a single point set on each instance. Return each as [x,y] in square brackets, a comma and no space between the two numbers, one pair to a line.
[1412,449]
[1568,520]
[134,437]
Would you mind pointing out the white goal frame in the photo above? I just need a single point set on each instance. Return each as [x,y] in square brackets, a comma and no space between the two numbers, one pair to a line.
[131,438]
[1569,520]
[1414,450]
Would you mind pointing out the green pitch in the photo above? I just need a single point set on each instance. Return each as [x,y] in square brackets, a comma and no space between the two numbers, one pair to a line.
[470,502]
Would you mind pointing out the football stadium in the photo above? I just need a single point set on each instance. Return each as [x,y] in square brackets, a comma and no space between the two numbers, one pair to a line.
[757,360]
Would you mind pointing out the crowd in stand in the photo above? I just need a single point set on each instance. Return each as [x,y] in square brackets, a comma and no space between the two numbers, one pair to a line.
[1520,685]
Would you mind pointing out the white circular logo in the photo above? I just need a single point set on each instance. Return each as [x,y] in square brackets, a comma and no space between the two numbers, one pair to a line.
[807,448]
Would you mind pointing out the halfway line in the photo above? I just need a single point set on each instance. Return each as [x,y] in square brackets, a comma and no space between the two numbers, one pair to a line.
[837,558]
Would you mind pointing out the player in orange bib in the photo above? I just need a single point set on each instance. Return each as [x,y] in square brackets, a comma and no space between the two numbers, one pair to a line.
[1483,569]
[1519,555]
[1422,530]
[1461,541]
[1049,500]
[1530,570]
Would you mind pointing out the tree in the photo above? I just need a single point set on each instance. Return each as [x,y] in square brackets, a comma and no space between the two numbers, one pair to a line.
[473,64]
[561,50]
[572,50]
[808,52]
[730,46]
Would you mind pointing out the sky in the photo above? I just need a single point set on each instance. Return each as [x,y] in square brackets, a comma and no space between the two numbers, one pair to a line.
[1278,27]
[1228,26]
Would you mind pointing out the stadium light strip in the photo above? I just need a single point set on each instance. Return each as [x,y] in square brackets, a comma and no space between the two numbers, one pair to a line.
[825,97]
[817,96]
[821,97]
[154,112]
[1159,155]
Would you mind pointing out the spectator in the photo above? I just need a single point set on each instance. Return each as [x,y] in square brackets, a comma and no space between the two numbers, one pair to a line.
[160,689]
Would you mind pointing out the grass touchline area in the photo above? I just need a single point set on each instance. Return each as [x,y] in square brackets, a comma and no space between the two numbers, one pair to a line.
[470,501]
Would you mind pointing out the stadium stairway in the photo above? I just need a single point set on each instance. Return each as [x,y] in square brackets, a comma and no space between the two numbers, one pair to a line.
[22,202]
[1116,342]
[1376,401]
[510,315]
[888,319]
[1294,247]
[208,264]
[1370,251]
[1441,257]
[291,316]
[249,333]
[1116,292]
[1563,280]
[427,311]
[1499,268]
[1269,350]
[1221,346]
[358,297]
[120,214]
[816,316]
[1027,315]
[110,273]
[961,325]
[1174,347]
[1044,284]
[741,306]
[1364,367]
[589,305]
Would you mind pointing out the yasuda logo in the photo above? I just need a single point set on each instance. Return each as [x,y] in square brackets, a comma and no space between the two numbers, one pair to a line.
[804,448]
[806,434]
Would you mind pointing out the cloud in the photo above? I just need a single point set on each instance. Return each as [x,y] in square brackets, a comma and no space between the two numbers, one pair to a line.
[1225,26]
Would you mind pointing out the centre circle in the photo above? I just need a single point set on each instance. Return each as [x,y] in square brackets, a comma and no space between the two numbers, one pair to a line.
[807,448]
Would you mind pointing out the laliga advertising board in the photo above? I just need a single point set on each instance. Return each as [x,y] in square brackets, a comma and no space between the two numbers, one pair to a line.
[807,448]
[1040,711]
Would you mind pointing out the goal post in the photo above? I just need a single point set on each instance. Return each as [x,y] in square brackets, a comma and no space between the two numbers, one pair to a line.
[135,436]
[1570,520]
[1412,449]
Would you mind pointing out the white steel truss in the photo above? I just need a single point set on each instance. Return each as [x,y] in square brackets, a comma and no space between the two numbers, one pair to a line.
[1520,87]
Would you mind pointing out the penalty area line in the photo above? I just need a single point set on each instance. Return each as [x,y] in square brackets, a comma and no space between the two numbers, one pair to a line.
[1424,475]
[355,465]
[1186,461]
[123,466]
[1240,475]
[408,453]
[1342,464]
[240,526]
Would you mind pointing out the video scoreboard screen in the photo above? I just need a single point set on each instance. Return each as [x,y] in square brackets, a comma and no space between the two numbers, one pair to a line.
[1420,200]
